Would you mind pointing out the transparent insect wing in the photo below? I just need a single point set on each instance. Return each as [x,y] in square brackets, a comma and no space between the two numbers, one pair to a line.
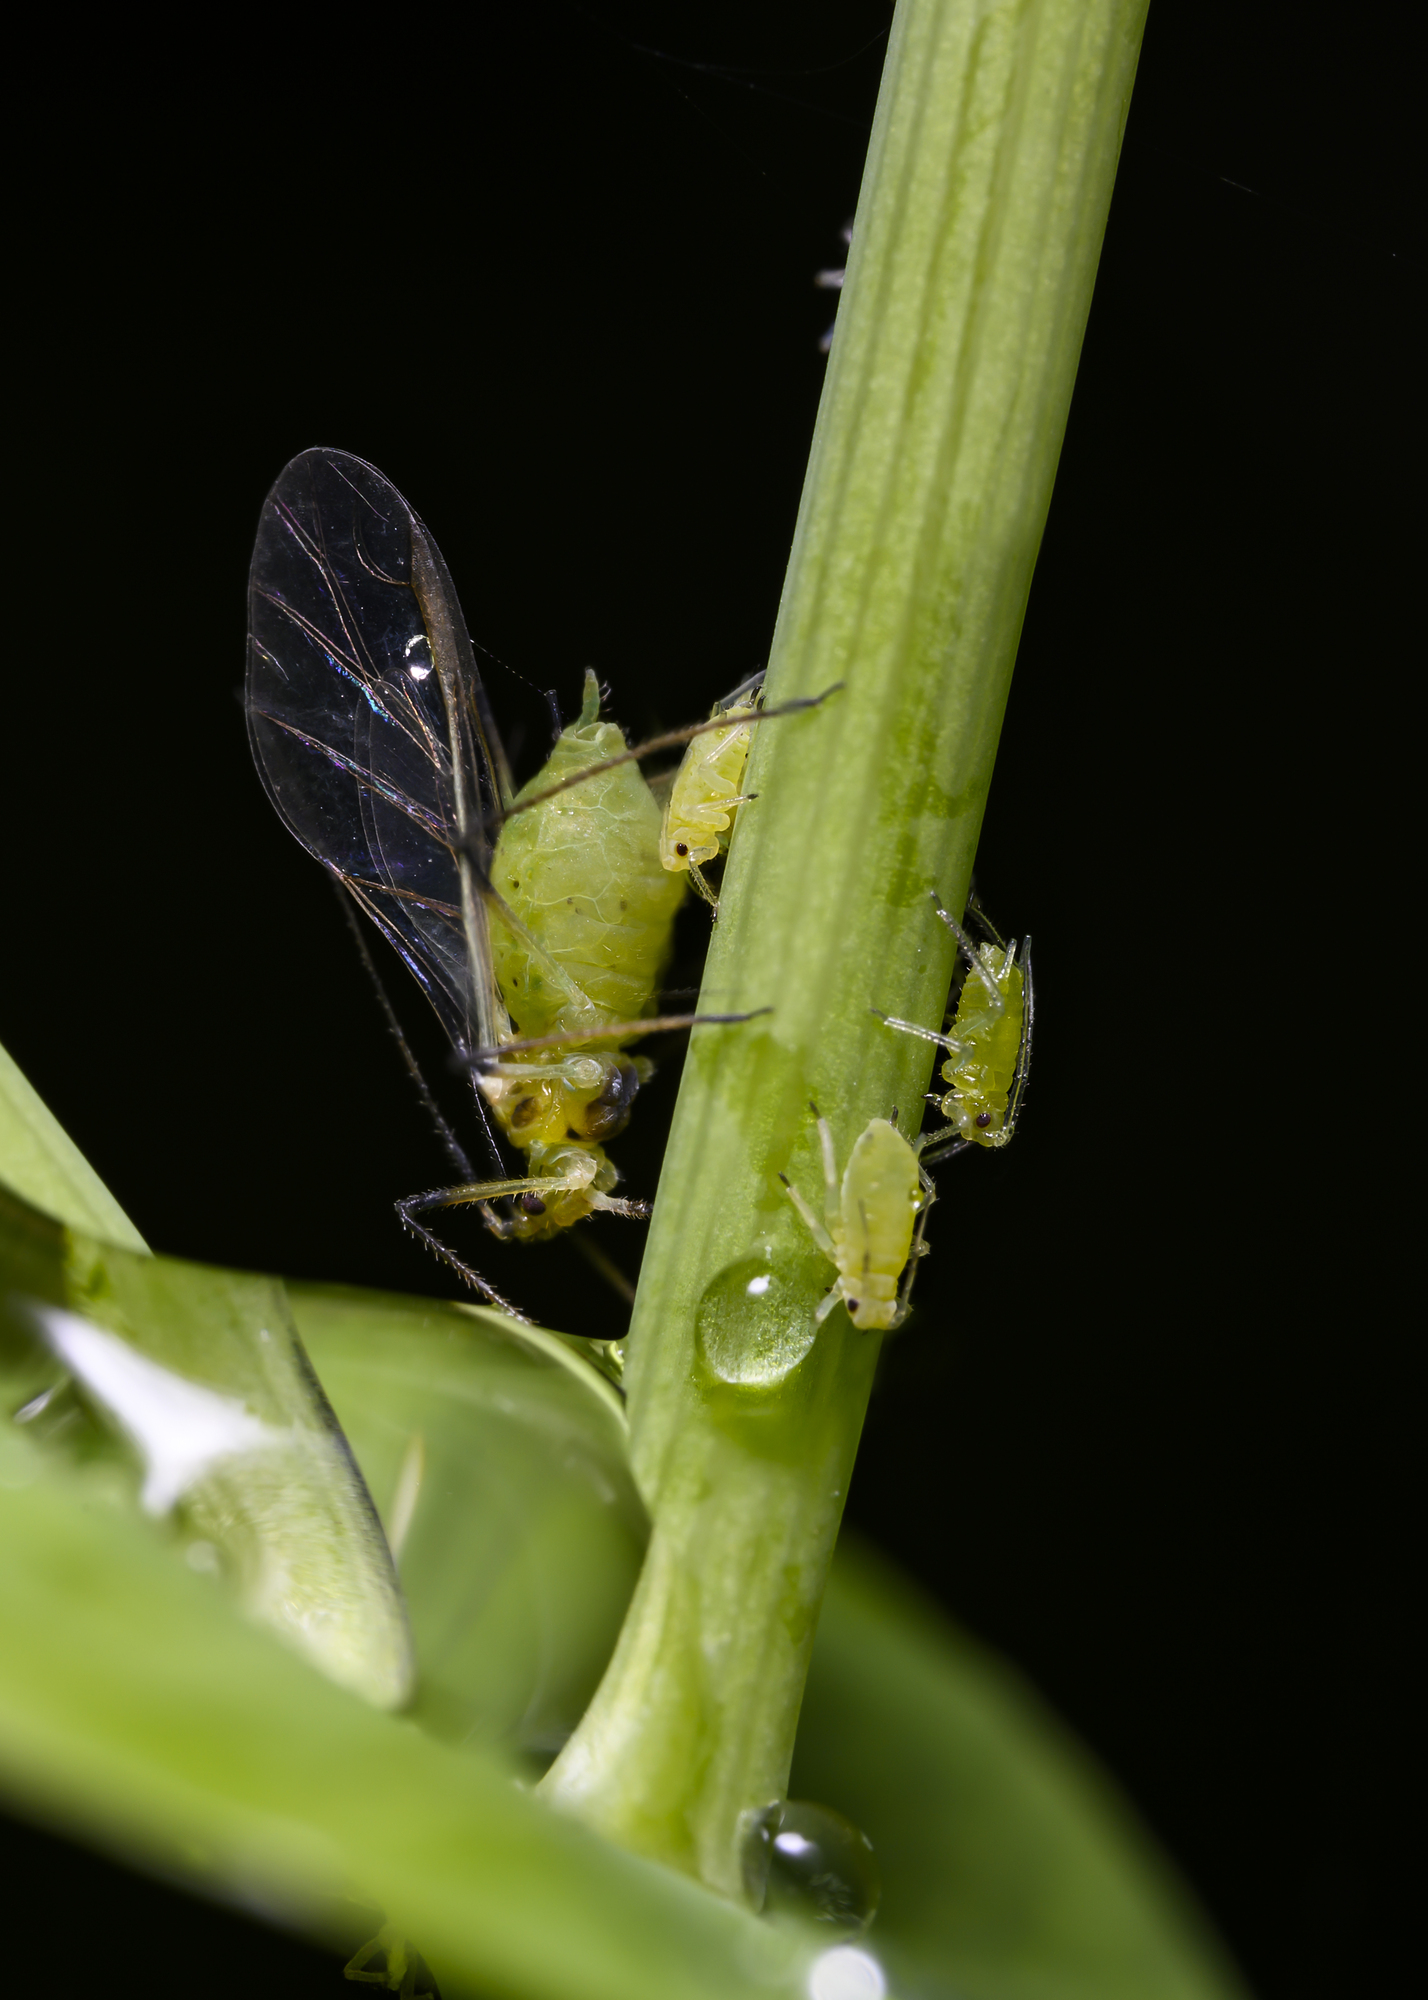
[368,719]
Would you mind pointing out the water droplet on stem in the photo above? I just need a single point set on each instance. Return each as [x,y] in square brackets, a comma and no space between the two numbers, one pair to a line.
[754,1322]
[822,1866]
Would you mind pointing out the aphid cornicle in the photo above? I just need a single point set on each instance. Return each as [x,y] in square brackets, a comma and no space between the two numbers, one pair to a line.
[706,794]
[371,731]
[870,1220]
[988,1044]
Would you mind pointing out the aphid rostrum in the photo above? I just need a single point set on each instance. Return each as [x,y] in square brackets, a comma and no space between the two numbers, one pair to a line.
[873,1221]
[372,734]
[988,1044]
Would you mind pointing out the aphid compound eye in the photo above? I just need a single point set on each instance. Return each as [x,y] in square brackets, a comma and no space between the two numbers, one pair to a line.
[681,848]
[983,1119]
[610,1111]
[530,1204]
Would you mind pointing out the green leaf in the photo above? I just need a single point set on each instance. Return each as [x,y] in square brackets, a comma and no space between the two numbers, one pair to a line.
[184,1392]
[140,1710]
[41,1163]
[523,1532]
[1011,1869]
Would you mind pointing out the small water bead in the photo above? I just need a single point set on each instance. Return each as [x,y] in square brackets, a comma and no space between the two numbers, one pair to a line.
[822,1866]
[754,1321]
[845,1973]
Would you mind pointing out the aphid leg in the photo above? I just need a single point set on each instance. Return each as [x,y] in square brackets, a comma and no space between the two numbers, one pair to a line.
[827,1302]
[947,1042]
[481,1194]
[974,957]
[615,1204]
[931,1150]
[1022,1071]
[832,1192]
[918,1250]
[974,909]
[449,1257]
[699,882]
[817,1232]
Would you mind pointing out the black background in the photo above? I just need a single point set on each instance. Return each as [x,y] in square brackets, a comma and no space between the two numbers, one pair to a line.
[1148,1432]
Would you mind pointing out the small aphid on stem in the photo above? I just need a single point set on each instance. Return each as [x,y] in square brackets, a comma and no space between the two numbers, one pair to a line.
[989,1044]
[705,795]
[706,792]
[870,1222]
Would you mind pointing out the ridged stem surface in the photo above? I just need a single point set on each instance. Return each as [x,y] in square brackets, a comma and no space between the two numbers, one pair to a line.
[974,253]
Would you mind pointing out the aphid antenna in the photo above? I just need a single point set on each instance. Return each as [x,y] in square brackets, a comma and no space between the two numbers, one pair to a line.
[974,957]
[671,740]
[479,1060]
[455,1151]
[552,702]
[750,686]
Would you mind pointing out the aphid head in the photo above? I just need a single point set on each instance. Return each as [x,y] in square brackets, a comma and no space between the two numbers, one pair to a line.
[871,1315]
[544,1212]
[978,1117]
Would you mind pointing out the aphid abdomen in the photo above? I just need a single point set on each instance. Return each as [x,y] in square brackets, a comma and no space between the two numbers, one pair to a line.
[881,1195]
[582,873]
[699,812]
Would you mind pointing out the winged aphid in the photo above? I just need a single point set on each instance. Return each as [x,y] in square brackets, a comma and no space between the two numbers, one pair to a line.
[537,923]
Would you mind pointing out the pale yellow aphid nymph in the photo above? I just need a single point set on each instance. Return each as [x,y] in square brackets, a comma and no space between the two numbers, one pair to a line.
[705,795]
[869,1222]
[988,1045]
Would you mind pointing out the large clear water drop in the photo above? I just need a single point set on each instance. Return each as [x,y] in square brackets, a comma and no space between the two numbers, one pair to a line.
[754,1322]
[822,1866]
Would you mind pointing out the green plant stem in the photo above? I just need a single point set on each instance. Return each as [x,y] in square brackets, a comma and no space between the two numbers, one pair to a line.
[978,230]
